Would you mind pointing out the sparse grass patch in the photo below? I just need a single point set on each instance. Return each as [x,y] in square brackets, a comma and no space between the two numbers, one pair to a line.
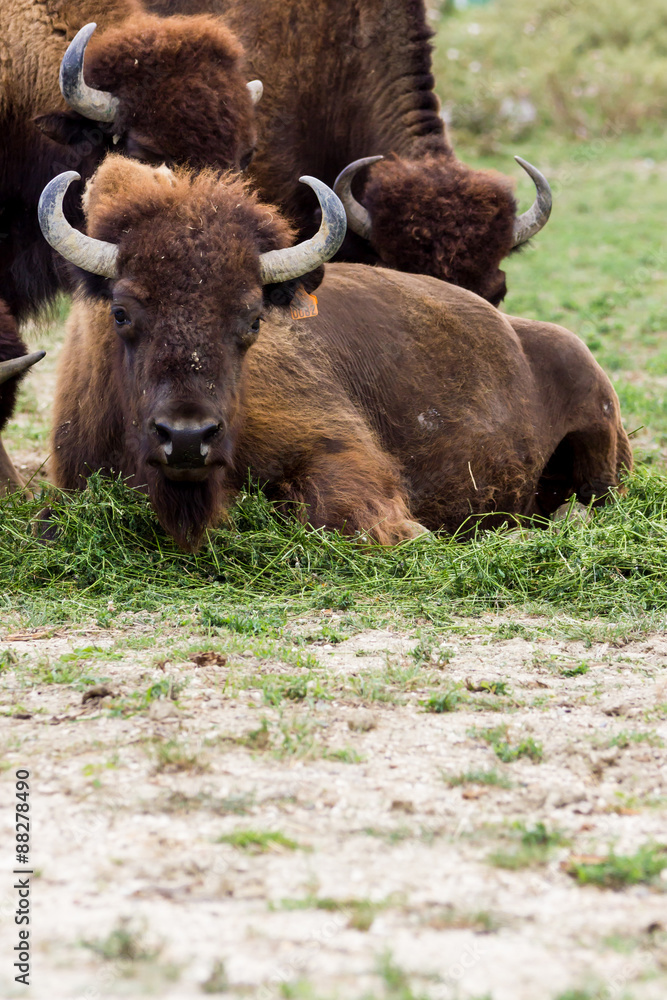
[616,871]
[535,846]
[172,756]
[179,802]
[126,943]
[577,671]
[359,913]
[448,918]
[445,701]
[625,739]
[217,981]
[260,842]
[478,777]
[498,739]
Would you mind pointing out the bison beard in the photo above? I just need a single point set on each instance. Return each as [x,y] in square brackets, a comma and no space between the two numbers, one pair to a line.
[186,510]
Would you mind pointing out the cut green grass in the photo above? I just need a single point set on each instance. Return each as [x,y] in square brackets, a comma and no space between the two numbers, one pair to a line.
[617,871]
[260,842]
[111,547]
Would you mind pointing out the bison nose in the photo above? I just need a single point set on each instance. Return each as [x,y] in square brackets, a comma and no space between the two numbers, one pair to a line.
[186,445]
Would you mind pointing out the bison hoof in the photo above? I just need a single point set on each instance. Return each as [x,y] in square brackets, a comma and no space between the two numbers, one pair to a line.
[572,511]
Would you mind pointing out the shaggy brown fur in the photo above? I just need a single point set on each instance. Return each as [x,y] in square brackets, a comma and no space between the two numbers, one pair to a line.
[351,79]
[11,346]
[406,402]
[183,98]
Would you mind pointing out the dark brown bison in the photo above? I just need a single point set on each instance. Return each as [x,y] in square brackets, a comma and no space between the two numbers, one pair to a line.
[14,363]
[351,80]
[407,403]
[159,89]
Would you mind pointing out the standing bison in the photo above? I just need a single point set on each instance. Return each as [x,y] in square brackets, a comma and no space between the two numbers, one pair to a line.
[405,404]
[348,82]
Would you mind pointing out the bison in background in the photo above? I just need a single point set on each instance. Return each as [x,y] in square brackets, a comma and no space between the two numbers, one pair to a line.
[350,81]
[14,363]
[406,404]
[157,89]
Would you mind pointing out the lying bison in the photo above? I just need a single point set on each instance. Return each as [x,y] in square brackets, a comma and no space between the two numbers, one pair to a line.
[14,363]
[352,80]
[407,403]
[158,89]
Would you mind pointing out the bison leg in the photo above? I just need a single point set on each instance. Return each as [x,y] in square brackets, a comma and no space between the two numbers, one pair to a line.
[355,490]
[586,464]
[14,363]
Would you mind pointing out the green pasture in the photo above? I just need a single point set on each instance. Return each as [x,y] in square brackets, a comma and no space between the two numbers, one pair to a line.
[599,268]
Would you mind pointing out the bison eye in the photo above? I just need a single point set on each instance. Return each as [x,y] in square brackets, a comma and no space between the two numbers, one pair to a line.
[120,316]
[247,159]
[255,326]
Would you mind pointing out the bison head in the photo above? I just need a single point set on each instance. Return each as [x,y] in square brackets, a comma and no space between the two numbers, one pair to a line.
[182,267]
[437,216]
[160,90]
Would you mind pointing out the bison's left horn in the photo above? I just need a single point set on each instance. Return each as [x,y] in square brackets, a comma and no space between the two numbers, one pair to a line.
[256,88]
[358,218]
[16,366]
[98,105]
[91,255]
[285,265]
[536,218]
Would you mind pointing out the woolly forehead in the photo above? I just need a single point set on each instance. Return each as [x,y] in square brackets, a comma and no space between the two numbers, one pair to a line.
[179,234]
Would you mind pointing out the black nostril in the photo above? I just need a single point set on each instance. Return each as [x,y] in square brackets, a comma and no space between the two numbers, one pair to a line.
[209,432]
[164,433]
[186,445]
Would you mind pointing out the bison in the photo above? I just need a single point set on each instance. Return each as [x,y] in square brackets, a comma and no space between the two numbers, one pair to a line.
[405,404]
[346,83]
[160,89]
[14,363]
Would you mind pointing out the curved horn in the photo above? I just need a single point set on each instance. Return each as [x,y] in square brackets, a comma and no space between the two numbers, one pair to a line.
[536,218]
[91,255]
[358,218]
[9,369]
[95,104]
[284,265]
[256,88]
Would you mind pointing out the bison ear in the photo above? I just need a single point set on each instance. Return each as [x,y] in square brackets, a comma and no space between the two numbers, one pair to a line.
[68,128]
[281,294]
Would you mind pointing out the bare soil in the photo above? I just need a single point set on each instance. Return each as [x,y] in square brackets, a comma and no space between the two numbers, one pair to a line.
[128,803]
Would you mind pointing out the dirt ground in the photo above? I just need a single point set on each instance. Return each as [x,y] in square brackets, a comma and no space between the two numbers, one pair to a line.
[376,848]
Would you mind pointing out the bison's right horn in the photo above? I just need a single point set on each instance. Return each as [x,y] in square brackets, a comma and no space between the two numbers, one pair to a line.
[91,255]
[358,218]
[16,366]
[256,89]
[98,105]
[294,262]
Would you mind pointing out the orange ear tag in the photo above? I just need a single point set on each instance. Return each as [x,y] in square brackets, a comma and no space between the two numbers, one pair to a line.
[303,305]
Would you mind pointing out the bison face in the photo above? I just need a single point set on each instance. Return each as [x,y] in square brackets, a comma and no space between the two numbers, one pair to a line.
[179,376]
[166,90]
